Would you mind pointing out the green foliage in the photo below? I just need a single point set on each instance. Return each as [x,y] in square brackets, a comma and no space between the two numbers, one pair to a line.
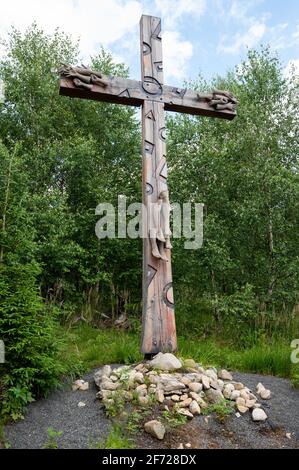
[53,437]
[172,419]
[115,440]
[222,409]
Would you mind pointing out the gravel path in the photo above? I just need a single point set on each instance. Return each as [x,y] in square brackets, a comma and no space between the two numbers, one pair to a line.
[85,426]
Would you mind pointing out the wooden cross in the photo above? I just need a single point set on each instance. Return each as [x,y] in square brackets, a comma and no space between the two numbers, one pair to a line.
[158,324]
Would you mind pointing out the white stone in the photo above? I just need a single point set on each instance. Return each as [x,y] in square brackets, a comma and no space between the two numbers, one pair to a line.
[260,387]
[153,379]
[173,385]
[242,408]
[234,395]
[185,380]
[211,373]
[159,396]
[184,397]
[225,375]
[205,382]
[81,404]
[139,377]
[265,394]
[139,367]
[195,387]
[185,403]
[155,428]
[180,446]
[258,414]
[244,394]
[165,361]
[101,373]
[228,390]
[175,397]
[194,408]
[80,385]
[214,396]
[195,396]
[214,384]
[250,403]
[238,385]
[240,401]
[220,384]
[107,384]
[185,412]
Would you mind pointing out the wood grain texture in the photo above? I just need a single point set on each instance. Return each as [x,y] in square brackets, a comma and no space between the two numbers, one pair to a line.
[158,323]
[133,93]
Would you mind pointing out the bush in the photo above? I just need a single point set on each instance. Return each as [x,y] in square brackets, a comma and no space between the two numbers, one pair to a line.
[28,332]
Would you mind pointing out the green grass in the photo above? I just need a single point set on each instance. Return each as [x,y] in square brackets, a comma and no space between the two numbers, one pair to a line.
[115,440]
[91,347]
[88,347]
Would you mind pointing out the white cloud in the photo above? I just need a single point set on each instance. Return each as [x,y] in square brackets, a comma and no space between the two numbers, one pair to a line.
[296,34]
[173,10]
[176,53]
[94,21]
[250,38]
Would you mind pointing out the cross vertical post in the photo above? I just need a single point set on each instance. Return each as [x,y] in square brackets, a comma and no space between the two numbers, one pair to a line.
[158,320]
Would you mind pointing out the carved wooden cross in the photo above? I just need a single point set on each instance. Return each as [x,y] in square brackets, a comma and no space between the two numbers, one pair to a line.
[158,325]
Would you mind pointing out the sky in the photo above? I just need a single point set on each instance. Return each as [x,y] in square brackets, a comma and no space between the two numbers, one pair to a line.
[199,36]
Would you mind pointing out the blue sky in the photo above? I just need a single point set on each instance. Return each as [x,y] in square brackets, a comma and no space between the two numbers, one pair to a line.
[207,36]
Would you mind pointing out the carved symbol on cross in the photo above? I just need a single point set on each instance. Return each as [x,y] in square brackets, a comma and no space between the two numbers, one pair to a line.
[159,331]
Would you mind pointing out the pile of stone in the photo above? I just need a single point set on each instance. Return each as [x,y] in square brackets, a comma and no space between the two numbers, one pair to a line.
[187,387]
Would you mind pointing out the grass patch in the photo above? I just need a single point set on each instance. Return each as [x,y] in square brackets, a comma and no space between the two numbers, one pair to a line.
[53,439]
[222,409]
[89,347]
[115,440]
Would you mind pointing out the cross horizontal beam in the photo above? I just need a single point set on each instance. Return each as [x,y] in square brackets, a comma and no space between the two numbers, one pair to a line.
[124,91]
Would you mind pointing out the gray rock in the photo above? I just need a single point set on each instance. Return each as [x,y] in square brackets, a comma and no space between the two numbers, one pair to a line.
[173,385]
[264,394]
[228,390]
[258,414]
[155,428]
[159,396]
[211,373]
[214,396]
[139,377]
[80,385]
[185,412]
[195,387]
[165,361]
[107,384]
[205,382]
[225,375]
[194,408]
[234,395]
[185,403]
[101,373]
